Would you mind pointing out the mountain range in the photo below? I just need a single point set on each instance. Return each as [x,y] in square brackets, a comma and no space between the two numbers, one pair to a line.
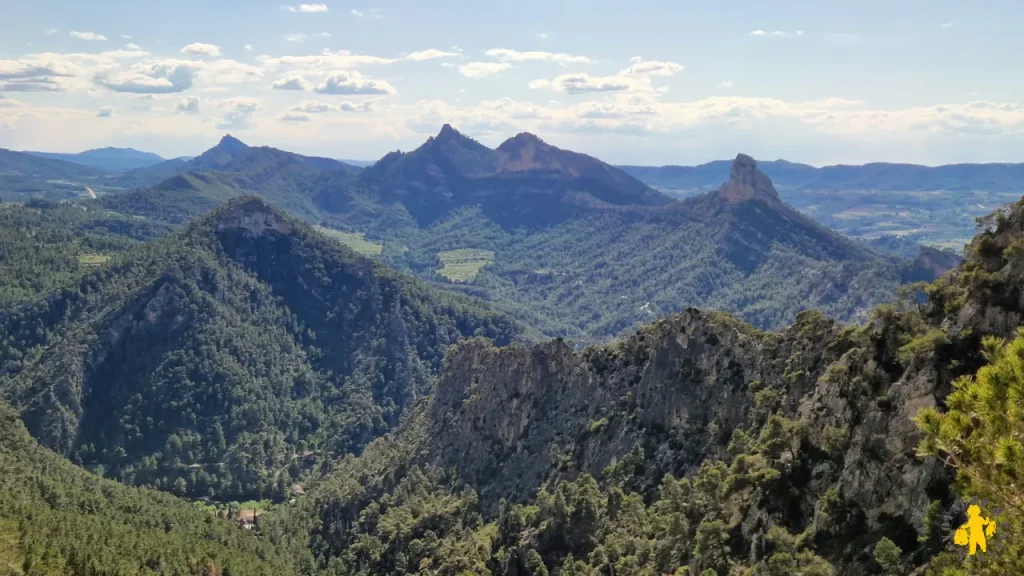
[564,242]
[378,423]
[586,251]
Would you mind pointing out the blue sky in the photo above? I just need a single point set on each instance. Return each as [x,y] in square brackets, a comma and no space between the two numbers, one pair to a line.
[642,82]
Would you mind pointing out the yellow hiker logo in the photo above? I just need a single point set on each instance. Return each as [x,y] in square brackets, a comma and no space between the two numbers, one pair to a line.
[968,529]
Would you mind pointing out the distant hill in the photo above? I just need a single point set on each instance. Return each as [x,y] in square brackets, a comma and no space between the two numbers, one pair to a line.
[359,163]
[930,205]
[28,164]
[107,159]
[876,176]
[230,357]
[229,155]
[524,182]
[24,176]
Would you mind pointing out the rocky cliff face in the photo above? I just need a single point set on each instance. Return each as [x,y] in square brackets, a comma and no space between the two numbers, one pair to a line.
[747,182]
[513,420]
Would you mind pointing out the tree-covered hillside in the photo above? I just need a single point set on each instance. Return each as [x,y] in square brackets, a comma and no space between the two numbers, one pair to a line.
[57,519]
[229,358]
[45,245]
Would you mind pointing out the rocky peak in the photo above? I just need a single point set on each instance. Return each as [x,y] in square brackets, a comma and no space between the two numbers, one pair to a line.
[230,143]
[448,133]
[519,141]
[747,182]
[251,216]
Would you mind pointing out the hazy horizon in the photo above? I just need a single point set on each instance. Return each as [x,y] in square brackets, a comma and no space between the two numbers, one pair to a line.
[651,83]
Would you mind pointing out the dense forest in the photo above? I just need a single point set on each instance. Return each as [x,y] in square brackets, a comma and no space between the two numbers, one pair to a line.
[57,519]
[45,245]
[229,359]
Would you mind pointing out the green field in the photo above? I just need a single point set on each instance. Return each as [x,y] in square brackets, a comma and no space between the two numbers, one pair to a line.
[93,259]
[464,264]
[356,241]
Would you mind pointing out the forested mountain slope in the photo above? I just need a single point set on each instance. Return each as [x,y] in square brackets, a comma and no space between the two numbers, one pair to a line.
[57,519]
[525,182]
[590,270]
[699,445]
[230,357]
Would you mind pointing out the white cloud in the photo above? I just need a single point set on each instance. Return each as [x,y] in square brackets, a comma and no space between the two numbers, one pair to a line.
[51,31]
[325,62]
[105,112]
[640,67]
[776,33]
[293,117]
[429,54]
[300,37]
[169,76]
[239,114]
[89,36]
[200,49]
[126,36]
[328,61]
[307,8]
[131,46]
[358,13]
[483,69]
[247,47]
[506,55]
[581,83]
[352,82]
[645,114]
[292,82]
[725,84]
[318,107]
[188,105]
[635,78]
[542,35]
[947,25]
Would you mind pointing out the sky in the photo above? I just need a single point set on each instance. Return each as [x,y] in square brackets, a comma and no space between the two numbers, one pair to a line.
[638,82]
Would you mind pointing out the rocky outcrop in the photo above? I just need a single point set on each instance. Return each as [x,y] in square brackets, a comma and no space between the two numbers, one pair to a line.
[252,217]
[512,420]
[747,182]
